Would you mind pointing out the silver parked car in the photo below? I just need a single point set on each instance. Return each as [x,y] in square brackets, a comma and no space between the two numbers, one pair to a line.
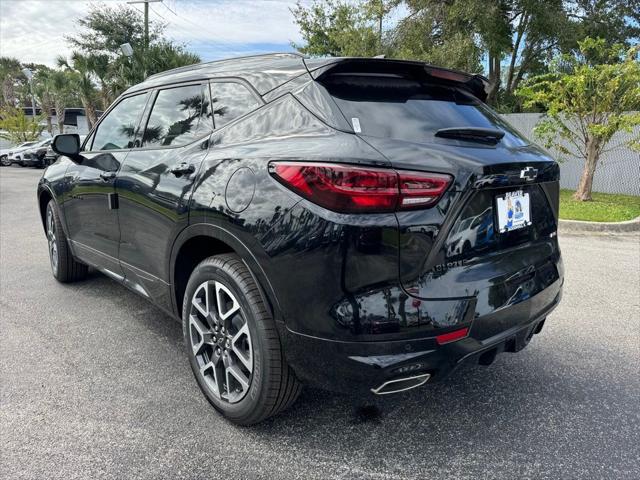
[34,156]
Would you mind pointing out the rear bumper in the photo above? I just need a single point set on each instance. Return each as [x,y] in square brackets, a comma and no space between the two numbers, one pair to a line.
[358,367]
[31,161]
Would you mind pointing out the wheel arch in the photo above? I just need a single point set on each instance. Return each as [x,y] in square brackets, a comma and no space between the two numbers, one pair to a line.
[208,240]
[44,197]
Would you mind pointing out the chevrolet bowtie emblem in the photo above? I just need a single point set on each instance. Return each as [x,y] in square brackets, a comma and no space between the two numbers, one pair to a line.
[529,173]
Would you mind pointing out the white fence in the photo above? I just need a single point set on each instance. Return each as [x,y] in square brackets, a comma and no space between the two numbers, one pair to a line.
[618,171]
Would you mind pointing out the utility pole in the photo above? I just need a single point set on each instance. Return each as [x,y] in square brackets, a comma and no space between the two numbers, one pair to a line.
[146,18]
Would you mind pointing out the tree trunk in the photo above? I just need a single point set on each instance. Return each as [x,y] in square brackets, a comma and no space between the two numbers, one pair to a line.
[90,112]
[105,98]
[59,106]
[49,123]
[494,79]
[380,27]
[583,193]
[514,54]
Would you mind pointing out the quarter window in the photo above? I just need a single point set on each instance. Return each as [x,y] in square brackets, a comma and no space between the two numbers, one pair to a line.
[118,129]
[179,115]
[230,100]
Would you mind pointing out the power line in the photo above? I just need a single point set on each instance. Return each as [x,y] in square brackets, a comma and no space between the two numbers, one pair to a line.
[184,19]
[155,11]
[187,30]
[171,10]
[146,18]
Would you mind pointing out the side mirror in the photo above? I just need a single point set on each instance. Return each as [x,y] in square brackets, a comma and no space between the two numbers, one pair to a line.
[67,144]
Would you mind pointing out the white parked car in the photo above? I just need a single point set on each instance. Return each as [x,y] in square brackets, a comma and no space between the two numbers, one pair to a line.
[14,155]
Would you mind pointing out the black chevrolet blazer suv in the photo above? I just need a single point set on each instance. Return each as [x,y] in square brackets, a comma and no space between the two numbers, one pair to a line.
[360,225]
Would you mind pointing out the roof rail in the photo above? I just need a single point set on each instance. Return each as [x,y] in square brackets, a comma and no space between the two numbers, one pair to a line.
[195,66]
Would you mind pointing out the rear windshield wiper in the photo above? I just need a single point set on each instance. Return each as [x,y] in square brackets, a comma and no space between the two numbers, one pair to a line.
[472,134]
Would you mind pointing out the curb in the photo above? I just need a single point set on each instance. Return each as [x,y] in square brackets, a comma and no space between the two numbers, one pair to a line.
[578,226]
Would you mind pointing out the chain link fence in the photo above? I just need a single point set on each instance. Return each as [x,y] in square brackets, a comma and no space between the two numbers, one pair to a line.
[618,170]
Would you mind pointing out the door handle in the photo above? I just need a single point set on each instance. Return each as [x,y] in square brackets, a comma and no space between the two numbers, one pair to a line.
[106,176]
[183,168]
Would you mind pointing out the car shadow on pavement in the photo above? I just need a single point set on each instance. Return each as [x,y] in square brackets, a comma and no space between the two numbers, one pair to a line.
[519,401]
[532,397]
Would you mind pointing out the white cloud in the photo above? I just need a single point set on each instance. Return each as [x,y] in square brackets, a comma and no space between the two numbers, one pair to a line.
[33,31]
[230,21]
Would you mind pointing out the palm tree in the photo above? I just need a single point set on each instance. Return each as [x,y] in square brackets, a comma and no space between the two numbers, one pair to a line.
[158,57]
[101,67]
[60,85]
[80,66]
[43,92]
[9,72]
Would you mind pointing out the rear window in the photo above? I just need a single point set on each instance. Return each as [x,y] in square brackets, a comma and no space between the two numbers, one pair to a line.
[390,106]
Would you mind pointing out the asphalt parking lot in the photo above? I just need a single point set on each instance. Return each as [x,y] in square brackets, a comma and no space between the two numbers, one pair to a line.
[95,383]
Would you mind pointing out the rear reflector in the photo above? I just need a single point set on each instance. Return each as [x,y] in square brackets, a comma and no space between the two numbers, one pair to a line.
[452,336]
[350,189]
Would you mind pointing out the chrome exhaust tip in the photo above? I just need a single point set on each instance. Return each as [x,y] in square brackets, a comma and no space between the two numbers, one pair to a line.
[401,384]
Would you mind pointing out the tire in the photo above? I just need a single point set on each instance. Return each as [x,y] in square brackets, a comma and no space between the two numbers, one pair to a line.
[64,266]
[4,161]
[222,301]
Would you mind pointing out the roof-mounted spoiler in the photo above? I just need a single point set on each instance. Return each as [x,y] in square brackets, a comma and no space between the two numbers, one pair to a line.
[476,84]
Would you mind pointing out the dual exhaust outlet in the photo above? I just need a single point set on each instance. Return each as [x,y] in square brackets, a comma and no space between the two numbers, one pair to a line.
[401,384]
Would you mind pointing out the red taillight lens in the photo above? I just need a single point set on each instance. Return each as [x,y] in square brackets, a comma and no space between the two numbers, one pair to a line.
[452,336]
[350,189]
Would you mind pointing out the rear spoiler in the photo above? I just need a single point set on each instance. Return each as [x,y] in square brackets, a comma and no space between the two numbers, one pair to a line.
[477,85]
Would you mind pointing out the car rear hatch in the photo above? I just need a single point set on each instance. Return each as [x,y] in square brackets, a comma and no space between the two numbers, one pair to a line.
[491,239]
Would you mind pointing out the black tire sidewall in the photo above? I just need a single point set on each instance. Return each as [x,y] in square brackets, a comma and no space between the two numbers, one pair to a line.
[58,231]
[245,408]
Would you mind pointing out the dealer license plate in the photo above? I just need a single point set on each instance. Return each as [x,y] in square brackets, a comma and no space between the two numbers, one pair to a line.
[514,211]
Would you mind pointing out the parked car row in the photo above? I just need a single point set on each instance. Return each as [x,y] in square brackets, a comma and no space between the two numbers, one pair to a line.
[30,154]
[14,155]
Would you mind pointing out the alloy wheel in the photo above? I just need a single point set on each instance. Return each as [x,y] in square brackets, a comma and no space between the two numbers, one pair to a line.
[220,341]
[51,239]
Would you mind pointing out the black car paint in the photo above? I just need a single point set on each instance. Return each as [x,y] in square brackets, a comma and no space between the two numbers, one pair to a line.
[355,297]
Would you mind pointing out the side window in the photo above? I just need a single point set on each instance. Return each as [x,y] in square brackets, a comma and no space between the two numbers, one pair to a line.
[117,129]
[230,100]
[179,115]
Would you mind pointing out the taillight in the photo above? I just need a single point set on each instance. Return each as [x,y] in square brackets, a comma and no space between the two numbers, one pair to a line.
[351,189]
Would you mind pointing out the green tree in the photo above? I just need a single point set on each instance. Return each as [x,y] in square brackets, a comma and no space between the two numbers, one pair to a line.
[17,127]
[378,11]
[516,39]
[105,28]
[61,88]
[44,94]
[160,56]
[80,79]
[587,103]
[440,33]
[617,21]
[337,28]
[9,73]
[101,67]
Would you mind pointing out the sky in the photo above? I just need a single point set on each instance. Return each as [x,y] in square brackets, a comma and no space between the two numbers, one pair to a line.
[34,30]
